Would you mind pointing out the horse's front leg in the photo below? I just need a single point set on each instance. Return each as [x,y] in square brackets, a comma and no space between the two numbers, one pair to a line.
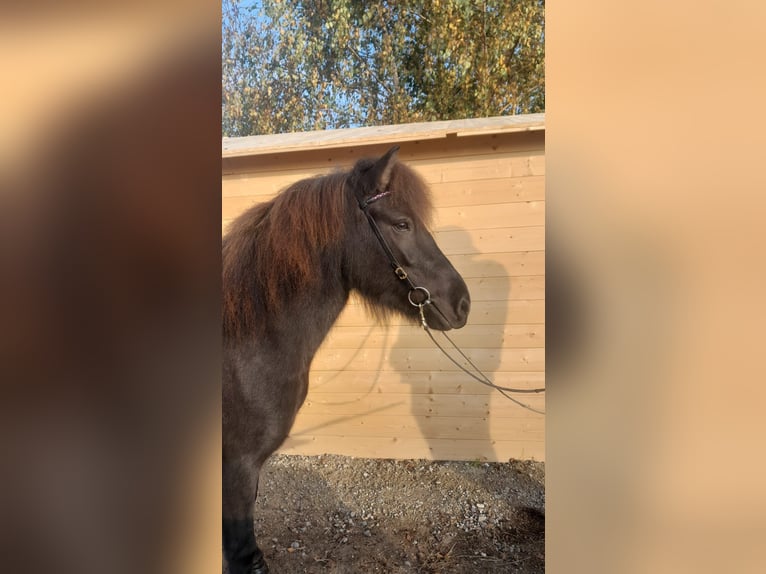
[240,487]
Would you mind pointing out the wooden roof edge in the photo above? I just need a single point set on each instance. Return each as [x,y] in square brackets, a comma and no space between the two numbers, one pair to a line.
[328,139]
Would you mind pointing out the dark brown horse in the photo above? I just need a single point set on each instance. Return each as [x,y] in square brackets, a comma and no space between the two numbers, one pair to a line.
[289,266]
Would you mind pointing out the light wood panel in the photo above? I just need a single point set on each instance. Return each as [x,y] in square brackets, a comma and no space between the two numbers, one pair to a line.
[404,425]
[436,405]
[493,191]
[418,382]
[511,264]
[409,336]
[480,168]
[499,288]
[419,359]
[490,241]
[492,216]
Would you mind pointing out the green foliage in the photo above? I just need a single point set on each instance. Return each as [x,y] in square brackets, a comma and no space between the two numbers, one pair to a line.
[296,65]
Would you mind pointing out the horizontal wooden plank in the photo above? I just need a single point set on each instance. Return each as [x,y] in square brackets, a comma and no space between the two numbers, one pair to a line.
[501,288]
[459,241]
[453,178]
[427,427]
[482,167]
[418,382]
[258,187]
[522,214]
[490,166]
[420,359]
[410,151]
[417,447]
[482,313]
[389,404]
[511,264]
[410,336]
[488,191]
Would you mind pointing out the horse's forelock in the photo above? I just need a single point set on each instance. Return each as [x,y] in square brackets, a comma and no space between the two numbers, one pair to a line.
[410,191]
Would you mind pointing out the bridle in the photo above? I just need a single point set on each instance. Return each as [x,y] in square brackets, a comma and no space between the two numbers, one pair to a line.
[399,271]
[402,275]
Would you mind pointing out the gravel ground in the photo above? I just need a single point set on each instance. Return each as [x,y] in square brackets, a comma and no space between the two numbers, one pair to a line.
[335,514]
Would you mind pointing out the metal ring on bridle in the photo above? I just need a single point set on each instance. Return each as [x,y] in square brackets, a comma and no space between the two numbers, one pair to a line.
[425,301]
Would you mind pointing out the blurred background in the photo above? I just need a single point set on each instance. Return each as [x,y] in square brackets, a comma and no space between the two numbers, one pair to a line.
[109,288]
[655,128]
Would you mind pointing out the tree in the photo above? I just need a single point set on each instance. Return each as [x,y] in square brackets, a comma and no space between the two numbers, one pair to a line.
[294,65]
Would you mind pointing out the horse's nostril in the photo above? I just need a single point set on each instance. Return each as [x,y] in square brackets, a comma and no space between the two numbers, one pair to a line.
[464,307]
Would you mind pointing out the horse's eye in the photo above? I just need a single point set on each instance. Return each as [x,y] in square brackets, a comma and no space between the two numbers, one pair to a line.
[402,226]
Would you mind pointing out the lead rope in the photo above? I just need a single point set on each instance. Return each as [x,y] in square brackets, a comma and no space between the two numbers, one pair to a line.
[483,379]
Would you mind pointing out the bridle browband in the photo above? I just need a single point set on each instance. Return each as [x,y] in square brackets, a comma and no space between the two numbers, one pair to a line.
[400,272]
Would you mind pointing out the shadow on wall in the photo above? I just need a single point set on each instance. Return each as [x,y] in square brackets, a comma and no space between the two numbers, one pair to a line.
[440,423]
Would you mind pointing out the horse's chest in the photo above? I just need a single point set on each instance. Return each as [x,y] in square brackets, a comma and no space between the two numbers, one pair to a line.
[299,390]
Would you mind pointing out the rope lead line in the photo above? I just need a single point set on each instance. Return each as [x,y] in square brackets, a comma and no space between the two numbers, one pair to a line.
[484,380]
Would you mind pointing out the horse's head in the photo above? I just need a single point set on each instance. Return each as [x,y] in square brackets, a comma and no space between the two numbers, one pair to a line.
[392,209]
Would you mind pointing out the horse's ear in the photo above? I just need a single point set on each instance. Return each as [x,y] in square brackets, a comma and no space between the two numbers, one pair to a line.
[382,169]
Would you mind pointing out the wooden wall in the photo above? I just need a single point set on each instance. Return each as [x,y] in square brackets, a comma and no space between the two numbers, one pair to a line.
[384,390]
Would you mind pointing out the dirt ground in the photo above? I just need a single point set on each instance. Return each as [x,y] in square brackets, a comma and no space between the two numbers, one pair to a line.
[335,514]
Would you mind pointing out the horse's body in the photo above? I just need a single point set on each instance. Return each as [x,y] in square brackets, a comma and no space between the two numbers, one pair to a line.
[289,266]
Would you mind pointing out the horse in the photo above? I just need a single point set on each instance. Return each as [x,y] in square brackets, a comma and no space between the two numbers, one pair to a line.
[289,267]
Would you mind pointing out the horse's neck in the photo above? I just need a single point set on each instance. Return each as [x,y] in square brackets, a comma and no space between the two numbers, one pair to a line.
[307,318]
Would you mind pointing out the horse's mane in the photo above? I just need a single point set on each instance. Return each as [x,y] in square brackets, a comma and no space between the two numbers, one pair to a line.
[272,251]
